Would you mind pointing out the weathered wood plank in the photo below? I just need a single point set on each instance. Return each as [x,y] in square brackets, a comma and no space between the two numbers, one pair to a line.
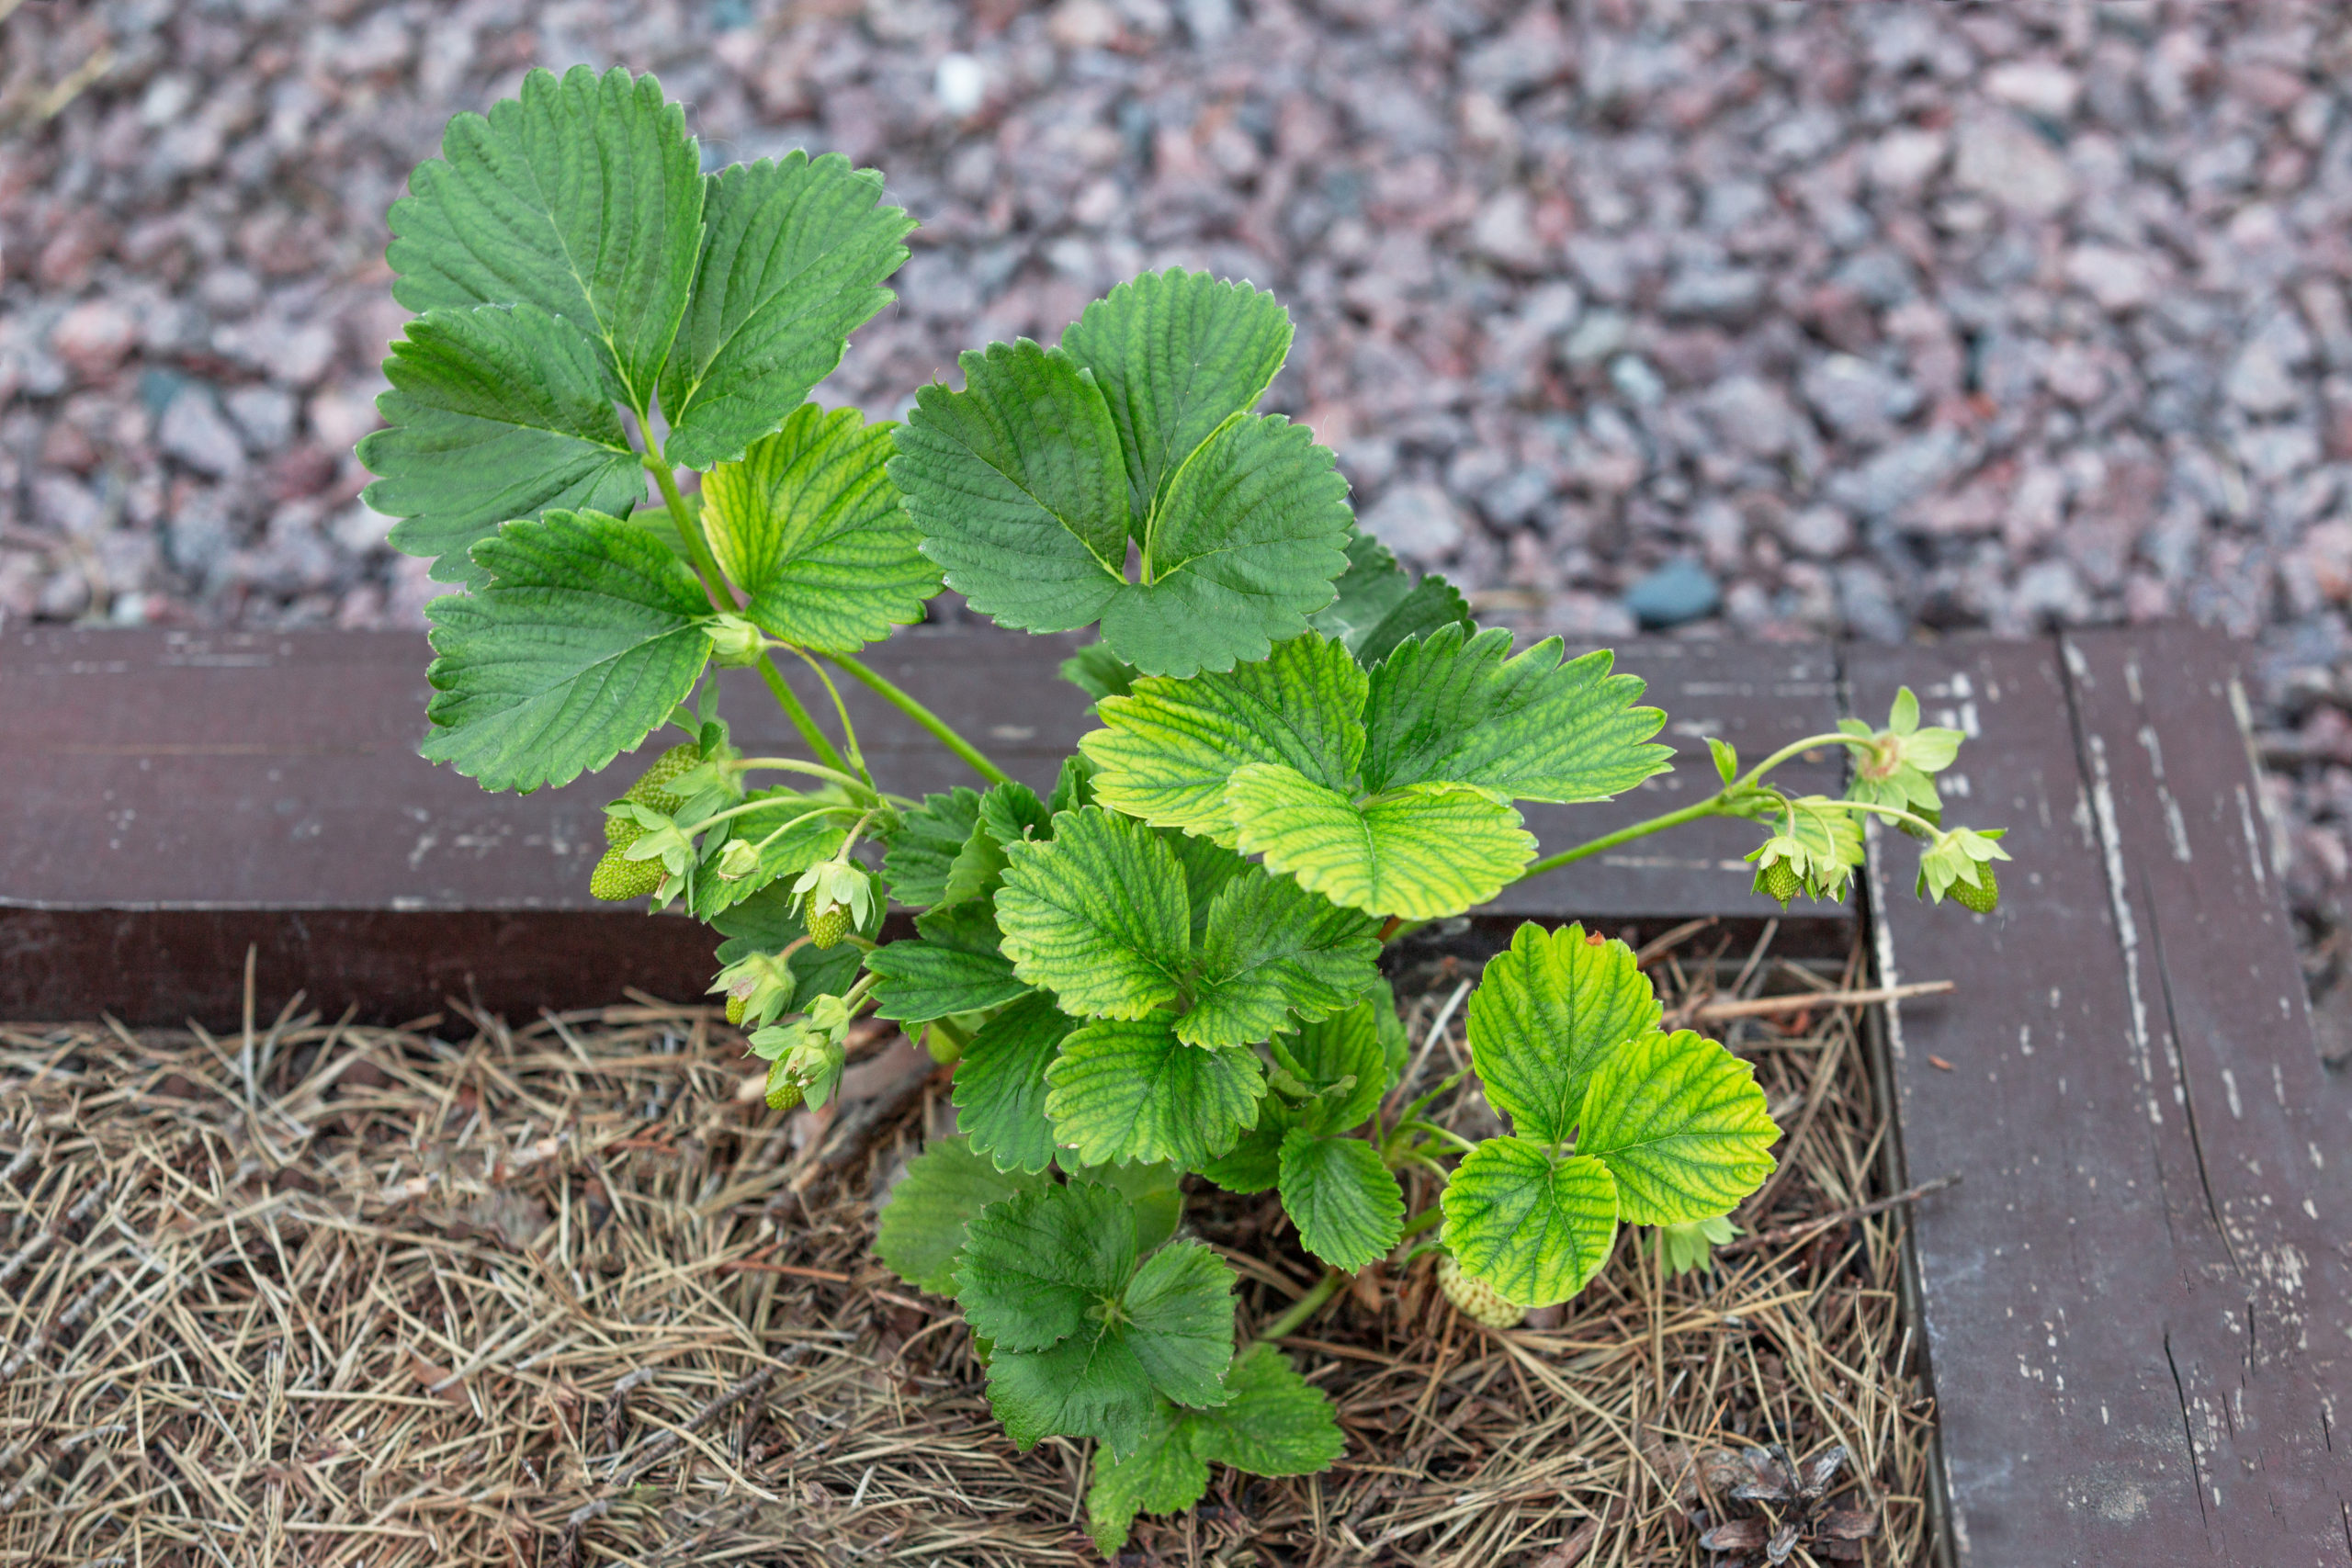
[272,776]
[2137,1303]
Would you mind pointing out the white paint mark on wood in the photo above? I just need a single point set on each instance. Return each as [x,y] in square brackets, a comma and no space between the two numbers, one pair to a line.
[2230,1083]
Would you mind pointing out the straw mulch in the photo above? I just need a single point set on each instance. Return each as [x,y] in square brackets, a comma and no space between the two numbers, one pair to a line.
[564,1294]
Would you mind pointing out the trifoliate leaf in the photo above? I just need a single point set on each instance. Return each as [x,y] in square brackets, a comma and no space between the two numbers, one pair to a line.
[584,198]
[810,527]
[1209,868]
[1680,1122]
[1169,749]
[495,413]
[1097,916]
[1345,1202]
[922,1232]
[926,841]
[1255,1163]
[1099,672]
[588,634]
[1179,1312]
[1247,540]
[1038,1267]
[792,262]
[1342,1061]
[1459,708]
[1533,1226]
[1132,1090]
[1175,354]
[1420,852]
[1089,1385]
[1274,949]
[1548,1010]
[1273,1422]
[1379,604]
[1019,489]
[1001,1082]
[954,967]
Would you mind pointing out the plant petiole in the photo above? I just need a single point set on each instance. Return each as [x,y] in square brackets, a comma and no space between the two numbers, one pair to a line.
[789,701]
[840,711]
[1295,1316]
[689,526]
[906,704]
[857,787]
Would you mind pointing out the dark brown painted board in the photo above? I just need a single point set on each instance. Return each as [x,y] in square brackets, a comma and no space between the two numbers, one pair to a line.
[272,775]
[2137,1301]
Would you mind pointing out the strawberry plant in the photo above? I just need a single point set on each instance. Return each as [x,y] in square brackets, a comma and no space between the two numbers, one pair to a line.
[1164,968]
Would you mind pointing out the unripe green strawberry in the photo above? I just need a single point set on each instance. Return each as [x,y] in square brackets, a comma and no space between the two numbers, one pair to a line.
[616,877]
[828,926]
[622,831]
[1474,1299]
[783,1092]
[648,789]
[735,1010]
[1780,881]
[1980,895]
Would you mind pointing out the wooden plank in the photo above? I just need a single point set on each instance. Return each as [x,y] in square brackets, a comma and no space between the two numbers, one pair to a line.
[272,776]
[2138,1303]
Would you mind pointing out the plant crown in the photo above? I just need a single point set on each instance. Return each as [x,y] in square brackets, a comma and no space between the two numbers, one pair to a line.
[1168,963]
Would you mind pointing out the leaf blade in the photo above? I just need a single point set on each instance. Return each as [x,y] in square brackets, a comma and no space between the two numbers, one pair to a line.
[1097,915]
[1548,1010]
[1132,1091]
[1345,1201]
[1535,1229]
[1000,1083]
[587,637]
[809,524]
[920,1234]
[1273,950]
[1038,1266]
[1179,1312]
[1683,1126]
[1421,852]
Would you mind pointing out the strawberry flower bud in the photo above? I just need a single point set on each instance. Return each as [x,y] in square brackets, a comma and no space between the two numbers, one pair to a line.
[734,641]
[758,988]
[737,859]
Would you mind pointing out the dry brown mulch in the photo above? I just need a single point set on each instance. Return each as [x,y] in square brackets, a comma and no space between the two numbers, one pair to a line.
[563,1294]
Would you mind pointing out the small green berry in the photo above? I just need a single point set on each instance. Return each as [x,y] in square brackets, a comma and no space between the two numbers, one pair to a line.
[622,831]
[784,1091]
[618,878]
[735,1010]
[1778,881]
[1982,895]
[828,926]
[1474,1299]
[649,790]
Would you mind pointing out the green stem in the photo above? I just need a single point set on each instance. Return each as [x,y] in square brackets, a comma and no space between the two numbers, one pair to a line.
[1422,1220]
[1795,747]
[840,711]
[789,701]
[1295,1318]
[698,556]
[914,710]
[856,788]
[1711,806]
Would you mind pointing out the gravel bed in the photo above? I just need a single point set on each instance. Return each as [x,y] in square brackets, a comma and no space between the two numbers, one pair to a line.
[1771,320]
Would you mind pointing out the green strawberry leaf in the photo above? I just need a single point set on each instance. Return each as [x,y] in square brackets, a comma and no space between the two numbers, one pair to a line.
[1167,750]
[1209,868]
[1273,1422]
[1084,1342]
[1009,814]
[495,413]
[1548,1010]
[1089,1385]
[1073,787]
[1019,489]
[1680,1122]
[1156,1191]
[1274,949]
[1255,1163]
[1379,604]
[1420,852]
[1000,1083]
[1342,1060]
[1132,1091]
[1179,1311]
[1347,1205]
[810,526]
[921,1236]
[1175,354]
[1244,545]
[1097,915]
[926,842]
[1534,1224]
[587,637]
[1457,707]
[1038,1267]
[1099,672]
[792,262]
[954,967]
[583,197]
